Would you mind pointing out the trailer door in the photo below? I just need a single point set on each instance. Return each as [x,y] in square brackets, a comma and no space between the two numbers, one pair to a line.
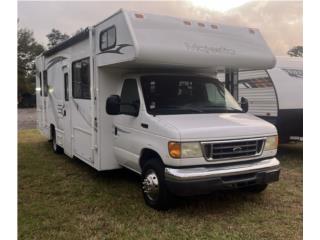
[67,113]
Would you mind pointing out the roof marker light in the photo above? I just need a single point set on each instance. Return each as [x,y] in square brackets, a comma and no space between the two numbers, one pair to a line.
[213,26]
[201,24]
[187,23]
[138,15]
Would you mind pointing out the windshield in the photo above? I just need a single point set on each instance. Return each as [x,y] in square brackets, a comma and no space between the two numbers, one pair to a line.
[186,94]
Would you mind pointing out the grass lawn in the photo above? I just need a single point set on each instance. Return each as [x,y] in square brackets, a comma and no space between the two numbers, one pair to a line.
[63,198]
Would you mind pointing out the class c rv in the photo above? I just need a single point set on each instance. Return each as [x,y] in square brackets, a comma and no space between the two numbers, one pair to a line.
[140,91]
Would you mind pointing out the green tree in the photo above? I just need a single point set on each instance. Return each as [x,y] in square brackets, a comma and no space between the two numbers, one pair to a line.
[296,51]
[28,49]
[55,37]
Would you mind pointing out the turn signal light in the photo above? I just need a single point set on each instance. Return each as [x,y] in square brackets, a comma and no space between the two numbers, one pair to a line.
[174,149]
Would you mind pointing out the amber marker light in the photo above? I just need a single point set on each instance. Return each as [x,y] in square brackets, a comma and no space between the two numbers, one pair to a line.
[174,149]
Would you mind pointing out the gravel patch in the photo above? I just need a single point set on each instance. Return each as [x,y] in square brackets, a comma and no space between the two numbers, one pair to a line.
[27,118]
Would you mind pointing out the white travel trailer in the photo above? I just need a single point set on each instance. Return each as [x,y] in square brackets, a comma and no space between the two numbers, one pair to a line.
[276,95]
[140,91]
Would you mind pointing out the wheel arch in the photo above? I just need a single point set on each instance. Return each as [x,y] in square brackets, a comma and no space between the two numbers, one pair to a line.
[147,154]
[52,131]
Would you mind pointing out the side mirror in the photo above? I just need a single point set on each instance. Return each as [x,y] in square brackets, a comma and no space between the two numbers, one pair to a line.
[244,104]
[113,105]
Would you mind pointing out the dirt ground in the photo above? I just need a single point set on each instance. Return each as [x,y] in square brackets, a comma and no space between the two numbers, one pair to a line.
[27,118]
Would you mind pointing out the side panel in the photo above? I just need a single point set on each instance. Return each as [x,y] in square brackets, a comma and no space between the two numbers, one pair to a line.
[54,100]
[109,83]
[80,127]
[289,88]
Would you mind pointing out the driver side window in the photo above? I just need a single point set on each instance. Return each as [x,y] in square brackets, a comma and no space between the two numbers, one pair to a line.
[130,102]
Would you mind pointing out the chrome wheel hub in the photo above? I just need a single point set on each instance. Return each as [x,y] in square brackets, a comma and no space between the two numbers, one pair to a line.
[150,185]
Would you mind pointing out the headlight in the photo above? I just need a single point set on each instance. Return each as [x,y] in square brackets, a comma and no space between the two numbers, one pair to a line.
[271,143]
[184,150]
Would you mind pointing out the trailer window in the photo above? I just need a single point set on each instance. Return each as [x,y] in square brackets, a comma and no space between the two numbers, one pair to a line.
[254,79]
[81,79]
[45,84]
[66,87]
[108,38]
[130,95]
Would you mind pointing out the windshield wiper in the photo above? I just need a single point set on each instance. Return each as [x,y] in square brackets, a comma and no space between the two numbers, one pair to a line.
[225,108]
[175,108]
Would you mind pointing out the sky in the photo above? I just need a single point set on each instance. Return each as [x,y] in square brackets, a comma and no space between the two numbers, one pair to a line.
[280,22]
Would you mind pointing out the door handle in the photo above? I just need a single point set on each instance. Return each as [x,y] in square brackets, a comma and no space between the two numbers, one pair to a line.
[144,125]
[64,112]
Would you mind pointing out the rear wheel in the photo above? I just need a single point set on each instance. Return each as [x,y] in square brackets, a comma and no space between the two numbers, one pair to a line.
[55,147]
[154,187]
[256,188]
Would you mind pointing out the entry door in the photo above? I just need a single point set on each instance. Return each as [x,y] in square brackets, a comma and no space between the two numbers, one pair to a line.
[67,113]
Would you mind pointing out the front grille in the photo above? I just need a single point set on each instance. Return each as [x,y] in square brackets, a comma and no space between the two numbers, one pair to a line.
[232,149]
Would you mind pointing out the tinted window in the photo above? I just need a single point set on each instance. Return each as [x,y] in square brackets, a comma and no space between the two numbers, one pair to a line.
[108,38]
[185,95]
[45,83]
[81,79]
[66,87]
[129,97]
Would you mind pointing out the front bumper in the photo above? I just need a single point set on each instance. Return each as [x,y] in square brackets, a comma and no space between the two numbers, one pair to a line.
[203,180]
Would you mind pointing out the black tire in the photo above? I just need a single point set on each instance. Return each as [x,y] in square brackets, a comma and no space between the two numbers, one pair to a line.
[55,147]
[256,188]
[161,200]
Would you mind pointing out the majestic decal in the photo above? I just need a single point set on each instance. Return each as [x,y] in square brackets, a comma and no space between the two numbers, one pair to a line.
[210,50]
[117,49]
[54,61]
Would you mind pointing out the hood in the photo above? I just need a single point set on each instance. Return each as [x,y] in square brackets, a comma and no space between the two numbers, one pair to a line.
[218,126]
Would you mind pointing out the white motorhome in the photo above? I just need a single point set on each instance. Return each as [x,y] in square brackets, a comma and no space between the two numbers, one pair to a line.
[140,91]
[275,95]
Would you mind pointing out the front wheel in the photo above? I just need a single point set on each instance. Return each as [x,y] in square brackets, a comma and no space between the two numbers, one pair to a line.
[153,185]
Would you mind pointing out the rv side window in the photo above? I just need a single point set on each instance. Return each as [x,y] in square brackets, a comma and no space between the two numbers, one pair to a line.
[81,79]
[66,87]
[108,38]
[130,95]
[40,79]
[45,84]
